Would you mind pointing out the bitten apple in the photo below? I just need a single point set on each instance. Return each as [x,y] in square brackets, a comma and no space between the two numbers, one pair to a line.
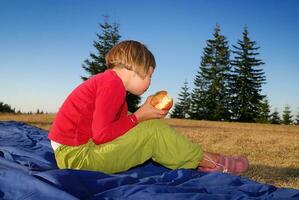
[162,100]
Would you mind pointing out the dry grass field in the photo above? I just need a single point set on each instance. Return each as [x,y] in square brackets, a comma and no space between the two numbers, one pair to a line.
[273,150]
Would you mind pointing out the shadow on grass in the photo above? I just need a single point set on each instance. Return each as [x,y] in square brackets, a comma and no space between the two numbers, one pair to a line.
[272,175]
[43,125]
[38,123]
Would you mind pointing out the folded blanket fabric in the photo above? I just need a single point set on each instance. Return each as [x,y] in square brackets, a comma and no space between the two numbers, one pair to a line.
[28,171]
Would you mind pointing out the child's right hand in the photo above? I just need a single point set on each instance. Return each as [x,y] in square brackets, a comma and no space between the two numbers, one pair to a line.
[147,111]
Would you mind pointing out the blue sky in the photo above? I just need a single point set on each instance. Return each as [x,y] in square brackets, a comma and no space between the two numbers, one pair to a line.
[44,43]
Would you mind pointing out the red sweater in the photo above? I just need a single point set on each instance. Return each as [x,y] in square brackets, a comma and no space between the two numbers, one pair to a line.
[96,110]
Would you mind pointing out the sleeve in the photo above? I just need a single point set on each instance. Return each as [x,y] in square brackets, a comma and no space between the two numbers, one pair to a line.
[109,122]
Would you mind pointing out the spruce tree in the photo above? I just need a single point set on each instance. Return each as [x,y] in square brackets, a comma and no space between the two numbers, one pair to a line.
[246,80]
[274,118]
[286,116]
[198,110]
[108,38]
[182,106]
[297,120]
[264,111]
[210,96]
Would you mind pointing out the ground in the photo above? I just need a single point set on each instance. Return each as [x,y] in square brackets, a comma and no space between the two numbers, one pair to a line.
[273,150]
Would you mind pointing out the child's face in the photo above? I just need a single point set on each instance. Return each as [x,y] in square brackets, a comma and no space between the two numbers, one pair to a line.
[139,85]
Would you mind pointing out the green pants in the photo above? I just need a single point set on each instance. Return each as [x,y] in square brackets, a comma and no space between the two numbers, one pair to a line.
[151,139]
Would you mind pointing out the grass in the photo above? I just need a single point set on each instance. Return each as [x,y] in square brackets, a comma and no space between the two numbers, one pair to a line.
[273,150]
[43,121]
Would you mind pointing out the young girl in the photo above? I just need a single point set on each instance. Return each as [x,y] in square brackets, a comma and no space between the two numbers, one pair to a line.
[93,130]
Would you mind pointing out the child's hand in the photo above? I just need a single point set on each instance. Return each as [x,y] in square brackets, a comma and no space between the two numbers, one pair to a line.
[147,111]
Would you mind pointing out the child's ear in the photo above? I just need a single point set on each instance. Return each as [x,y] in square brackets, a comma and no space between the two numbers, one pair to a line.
[151,71]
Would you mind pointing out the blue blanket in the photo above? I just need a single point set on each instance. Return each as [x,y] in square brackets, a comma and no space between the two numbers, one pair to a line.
[28,171]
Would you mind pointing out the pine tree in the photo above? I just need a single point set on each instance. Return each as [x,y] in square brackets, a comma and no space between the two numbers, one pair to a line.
[210,97]
[274,118]
[96,64]
[264,111]
[106,40]
[246,80]
[133,101]
[182,106]
[297,119]
[198,110]
[286,116]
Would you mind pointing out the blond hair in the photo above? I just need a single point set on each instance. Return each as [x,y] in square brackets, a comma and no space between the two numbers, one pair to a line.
[131,55]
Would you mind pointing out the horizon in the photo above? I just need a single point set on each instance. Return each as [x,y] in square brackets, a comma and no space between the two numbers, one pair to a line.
[42,42]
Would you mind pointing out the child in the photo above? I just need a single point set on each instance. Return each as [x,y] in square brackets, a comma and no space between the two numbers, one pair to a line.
[93,130]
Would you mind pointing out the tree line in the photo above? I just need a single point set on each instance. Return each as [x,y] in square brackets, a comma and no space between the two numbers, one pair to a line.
[228,89]
[225,89]
[6,108]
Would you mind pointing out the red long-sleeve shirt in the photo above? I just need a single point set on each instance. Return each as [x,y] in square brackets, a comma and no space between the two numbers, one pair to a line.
[96,110]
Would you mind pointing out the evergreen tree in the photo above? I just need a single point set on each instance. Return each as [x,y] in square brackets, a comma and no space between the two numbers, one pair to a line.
[198,110]
[246,80]
[96,64]
[297,119]
[133,101]
[286,116]
[210,97]
[264,111]
[5,108]
[182,106]
[274,118]
[106,40]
